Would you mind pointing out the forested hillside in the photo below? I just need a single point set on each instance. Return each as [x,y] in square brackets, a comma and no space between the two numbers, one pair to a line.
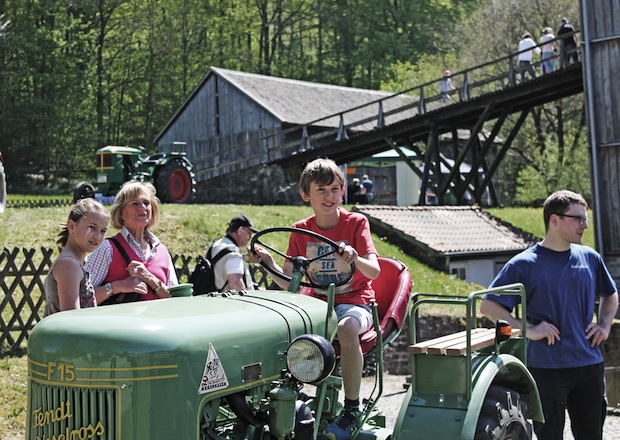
[80,74]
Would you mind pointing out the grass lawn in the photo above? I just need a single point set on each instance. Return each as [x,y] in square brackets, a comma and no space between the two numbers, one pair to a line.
[189,229]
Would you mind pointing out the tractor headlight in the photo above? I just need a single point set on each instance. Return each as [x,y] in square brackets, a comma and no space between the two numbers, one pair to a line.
[310,358]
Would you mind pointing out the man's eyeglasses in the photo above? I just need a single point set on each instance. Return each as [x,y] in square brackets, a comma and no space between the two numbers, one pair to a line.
[583,221]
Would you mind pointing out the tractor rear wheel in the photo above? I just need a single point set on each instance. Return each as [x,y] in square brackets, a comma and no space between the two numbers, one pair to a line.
[175,182]
[503,416]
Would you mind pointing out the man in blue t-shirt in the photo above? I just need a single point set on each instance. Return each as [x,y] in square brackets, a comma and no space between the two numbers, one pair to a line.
[562,280]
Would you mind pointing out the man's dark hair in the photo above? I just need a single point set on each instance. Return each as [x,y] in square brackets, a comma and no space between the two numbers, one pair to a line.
[559,202]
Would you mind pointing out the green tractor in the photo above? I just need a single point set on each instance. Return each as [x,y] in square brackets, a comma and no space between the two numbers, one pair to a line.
[171,173]
[263,365]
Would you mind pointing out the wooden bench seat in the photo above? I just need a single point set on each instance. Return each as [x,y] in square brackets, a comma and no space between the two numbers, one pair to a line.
[455,344]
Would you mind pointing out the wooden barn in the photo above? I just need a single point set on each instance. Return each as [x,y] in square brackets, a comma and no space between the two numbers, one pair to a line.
[601,43]
[236,121]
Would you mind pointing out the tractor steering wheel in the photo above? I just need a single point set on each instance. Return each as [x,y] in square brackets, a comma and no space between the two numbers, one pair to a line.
[300,263]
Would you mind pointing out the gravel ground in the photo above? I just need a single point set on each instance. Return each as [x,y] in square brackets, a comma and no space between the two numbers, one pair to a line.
[394,393]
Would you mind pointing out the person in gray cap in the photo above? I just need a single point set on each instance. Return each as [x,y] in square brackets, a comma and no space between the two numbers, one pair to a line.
[230,270]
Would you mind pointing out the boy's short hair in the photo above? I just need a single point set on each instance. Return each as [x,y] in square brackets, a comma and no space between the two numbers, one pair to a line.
[559,202]
[323,171]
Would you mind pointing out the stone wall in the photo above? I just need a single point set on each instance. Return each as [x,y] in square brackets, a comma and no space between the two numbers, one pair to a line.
[611,347]
[268,185]
[274,185]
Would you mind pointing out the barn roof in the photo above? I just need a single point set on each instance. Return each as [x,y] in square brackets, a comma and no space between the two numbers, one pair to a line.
[449,230]
[302,102]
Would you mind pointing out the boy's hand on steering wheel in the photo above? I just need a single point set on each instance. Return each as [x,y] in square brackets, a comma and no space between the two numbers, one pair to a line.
[347,253]
[259,254]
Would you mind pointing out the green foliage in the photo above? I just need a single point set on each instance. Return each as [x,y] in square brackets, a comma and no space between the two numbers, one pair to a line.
[80,75]
[428,69]
[550,152]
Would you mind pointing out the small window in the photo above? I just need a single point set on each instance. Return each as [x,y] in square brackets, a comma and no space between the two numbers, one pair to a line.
[460,273]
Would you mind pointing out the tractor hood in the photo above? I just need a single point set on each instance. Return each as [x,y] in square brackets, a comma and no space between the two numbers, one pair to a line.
[203,342]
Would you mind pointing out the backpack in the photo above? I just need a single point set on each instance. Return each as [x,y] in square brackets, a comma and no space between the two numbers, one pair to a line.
[203,277]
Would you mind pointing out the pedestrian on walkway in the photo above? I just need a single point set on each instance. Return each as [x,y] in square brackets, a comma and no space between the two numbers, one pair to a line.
[527,47]
[446,86]
[547,51]
[569,43]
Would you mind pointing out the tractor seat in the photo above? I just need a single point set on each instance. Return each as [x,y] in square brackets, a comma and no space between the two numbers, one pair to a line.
[393,295]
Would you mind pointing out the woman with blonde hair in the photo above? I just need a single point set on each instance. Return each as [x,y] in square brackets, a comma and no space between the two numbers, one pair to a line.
[133,265]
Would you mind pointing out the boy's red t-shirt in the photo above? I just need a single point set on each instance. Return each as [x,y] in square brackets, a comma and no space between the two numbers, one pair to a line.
[352,228]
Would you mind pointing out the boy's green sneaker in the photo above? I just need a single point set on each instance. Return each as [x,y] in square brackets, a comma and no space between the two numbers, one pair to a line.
[343,426]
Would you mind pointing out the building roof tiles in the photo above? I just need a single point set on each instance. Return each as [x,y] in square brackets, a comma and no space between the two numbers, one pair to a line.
[450,229]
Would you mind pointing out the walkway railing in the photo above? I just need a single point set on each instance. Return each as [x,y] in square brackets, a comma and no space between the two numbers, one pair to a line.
[487,78]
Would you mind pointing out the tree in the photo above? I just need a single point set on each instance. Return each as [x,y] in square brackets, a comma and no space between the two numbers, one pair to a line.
[81,74]
[550,152]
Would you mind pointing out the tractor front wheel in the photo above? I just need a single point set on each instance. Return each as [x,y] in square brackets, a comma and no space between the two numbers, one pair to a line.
[175,182]
[503,416]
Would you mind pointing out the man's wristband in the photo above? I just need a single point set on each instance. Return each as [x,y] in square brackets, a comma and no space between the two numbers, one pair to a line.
[108,290]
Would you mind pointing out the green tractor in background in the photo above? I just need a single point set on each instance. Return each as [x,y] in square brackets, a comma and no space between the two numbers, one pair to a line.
[170,173]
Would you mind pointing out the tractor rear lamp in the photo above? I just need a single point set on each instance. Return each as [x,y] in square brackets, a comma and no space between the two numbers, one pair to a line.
[503,331]
[310,358]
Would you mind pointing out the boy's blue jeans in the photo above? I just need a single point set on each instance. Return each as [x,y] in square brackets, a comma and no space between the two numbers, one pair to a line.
[581,392]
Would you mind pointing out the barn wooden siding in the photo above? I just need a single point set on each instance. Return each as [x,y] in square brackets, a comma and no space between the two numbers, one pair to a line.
[234,121]
[601,21]
[219,126]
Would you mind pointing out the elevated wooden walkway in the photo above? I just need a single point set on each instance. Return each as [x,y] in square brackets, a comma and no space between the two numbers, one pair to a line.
[345,144]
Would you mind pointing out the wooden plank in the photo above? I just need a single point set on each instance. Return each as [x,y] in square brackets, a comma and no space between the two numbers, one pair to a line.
[481,336]
[455,344]
[422,347]
[479,341]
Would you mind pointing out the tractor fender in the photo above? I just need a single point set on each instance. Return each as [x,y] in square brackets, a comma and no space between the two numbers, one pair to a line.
[165,158]
[510,372]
